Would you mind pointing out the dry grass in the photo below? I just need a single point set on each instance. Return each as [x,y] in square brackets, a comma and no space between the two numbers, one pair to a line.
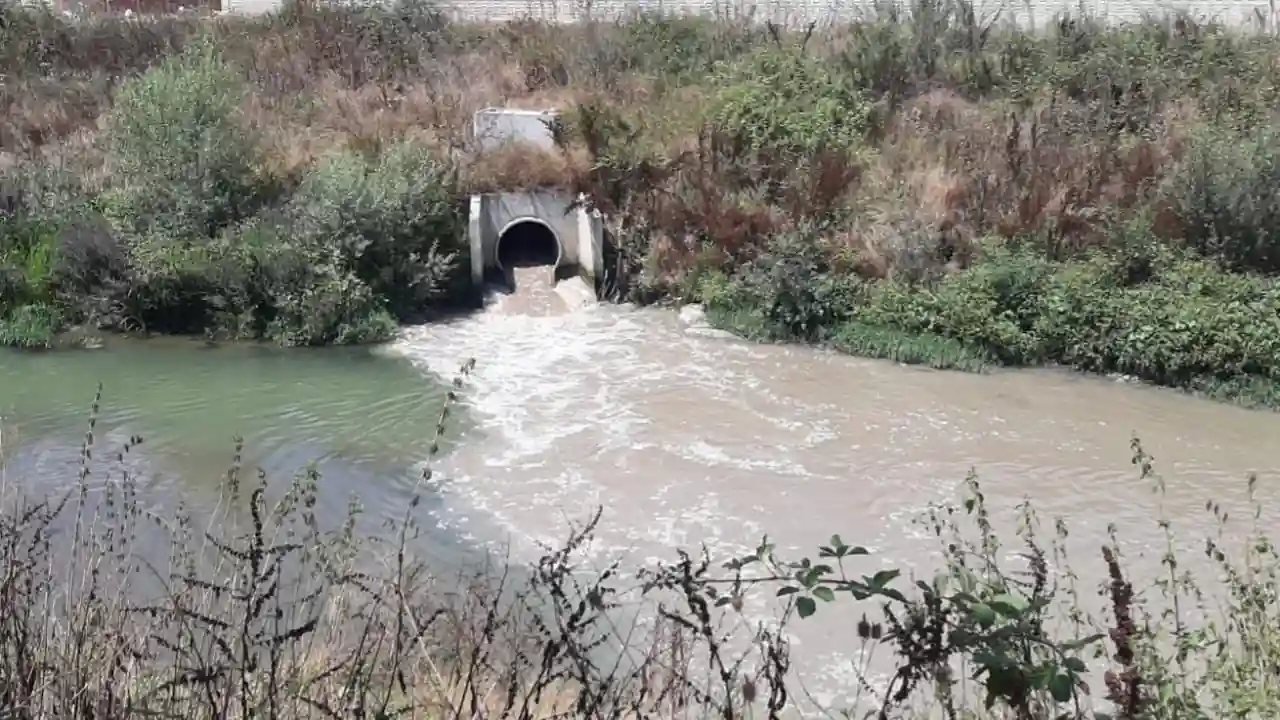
[964,145]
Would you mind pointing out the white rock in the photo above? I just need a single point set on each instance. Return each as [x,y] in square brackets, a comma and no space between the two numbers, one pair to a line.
[693,315]
[575,293]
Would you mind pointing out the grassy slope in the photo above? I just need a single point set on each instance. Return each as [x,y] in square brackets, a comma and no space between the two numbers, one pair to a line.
[932,189]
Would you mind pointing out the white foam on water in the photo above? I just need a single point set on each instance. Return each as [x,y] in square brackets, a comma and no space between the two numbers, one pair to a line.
[680,438]
[688,440]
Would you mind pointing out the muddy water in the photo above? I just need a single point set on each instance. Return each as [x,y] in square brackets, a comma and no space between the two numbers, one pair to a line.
[683,436]
[687,438]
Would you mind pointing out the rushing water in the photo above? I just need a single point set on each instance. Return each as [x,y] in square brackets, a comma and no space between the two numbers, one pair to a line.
[683,436]
[686,438]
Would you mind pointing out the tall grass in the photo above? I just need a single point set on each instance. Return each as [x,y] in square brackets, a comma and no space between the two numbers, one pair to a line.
[112,610]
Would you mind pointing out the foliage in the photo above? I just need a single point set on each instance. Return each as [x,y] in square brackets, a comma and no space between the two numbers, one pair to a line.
[782,98]
[990,307]
[185,167]
[682,49]
[392,221]
[974,608]
[788,291]
[909,348]
[1151,313]
[31,327]
[1226,193]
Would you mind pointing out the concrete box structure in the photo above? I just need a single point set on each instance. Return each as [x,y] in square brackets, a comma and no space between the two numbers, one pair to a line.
[494,126]
[498,220]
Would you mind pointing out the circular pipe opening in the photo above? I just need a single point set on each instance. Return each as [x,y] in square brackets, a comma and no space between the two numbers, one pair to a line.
[527,243]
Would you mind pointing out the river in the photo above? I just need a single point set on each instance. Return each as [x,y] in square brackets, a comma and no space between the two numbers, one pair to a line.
[684,437]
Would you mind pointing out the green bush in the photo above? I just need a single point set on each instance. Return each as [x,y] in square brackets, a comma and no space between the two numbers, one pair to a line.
[1188,325]
[1225,193]
[393,222]
[677,48]
[332,310]
[789,292]
[182,164]
[1149,313]
[293,294]
[783,99]
[990,307]
[31,327]
[26,262]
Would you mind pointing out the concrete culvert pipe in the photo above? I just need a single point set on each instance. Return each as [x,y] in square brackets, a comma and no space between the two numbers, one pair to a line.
[528,243]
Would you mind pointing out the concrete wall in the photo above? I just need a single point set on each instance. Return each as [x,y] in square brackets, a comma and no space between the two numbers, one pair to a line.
[494,126]
[578,230]
[1031,12]
[501,210]
[799,12]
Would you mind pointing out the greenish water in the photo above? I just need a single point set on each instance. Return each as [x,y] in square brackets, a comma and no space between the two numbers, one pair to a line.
[364,417]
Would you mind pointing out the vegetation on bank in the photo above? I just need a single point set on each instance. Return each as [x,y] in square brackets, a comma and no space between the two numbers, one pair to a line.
[929,186]
[112,608]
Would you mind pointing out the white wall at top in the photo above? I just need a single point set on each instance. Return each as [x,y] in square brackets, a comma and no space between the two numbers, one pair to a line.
[1028,12]
[251,7]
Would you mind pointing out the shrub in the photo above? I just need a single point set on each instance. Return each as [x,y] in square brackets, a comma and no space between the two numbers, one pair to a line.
[1187,324]
[173,284]
[331,310]
[990,307]
[183,166]
[783,99]
[293,294]
[678,48]
[393,222]
[26,259]
[789,292]
[1225,193]
[31,327]
[91,270]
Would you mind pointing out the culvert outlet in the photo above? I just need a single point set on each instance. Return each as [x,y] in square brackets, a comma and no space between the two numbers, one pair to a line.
[527,243]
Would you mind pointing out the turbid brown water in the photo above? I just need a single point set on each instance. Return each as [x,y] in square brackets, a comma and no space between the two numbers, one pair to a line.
[688,438]
[683,436]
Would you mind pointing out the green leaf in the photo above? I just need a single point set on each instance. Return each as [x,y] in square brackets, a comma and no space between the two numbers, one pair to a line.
[788,590]
[1082,642]
[983,614]
[1060,687]
[1075,665]
[1009,605]
[883,577]
[824,593]
[806,606]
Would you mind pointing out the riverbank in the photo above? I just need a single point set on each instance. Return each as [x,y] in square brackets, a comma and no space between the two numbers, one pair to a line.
[1152,314]
[930,188]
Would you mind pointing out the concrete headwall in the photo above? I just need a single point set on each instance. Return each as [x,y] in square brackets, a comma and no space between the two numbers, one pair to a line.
[499,211]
